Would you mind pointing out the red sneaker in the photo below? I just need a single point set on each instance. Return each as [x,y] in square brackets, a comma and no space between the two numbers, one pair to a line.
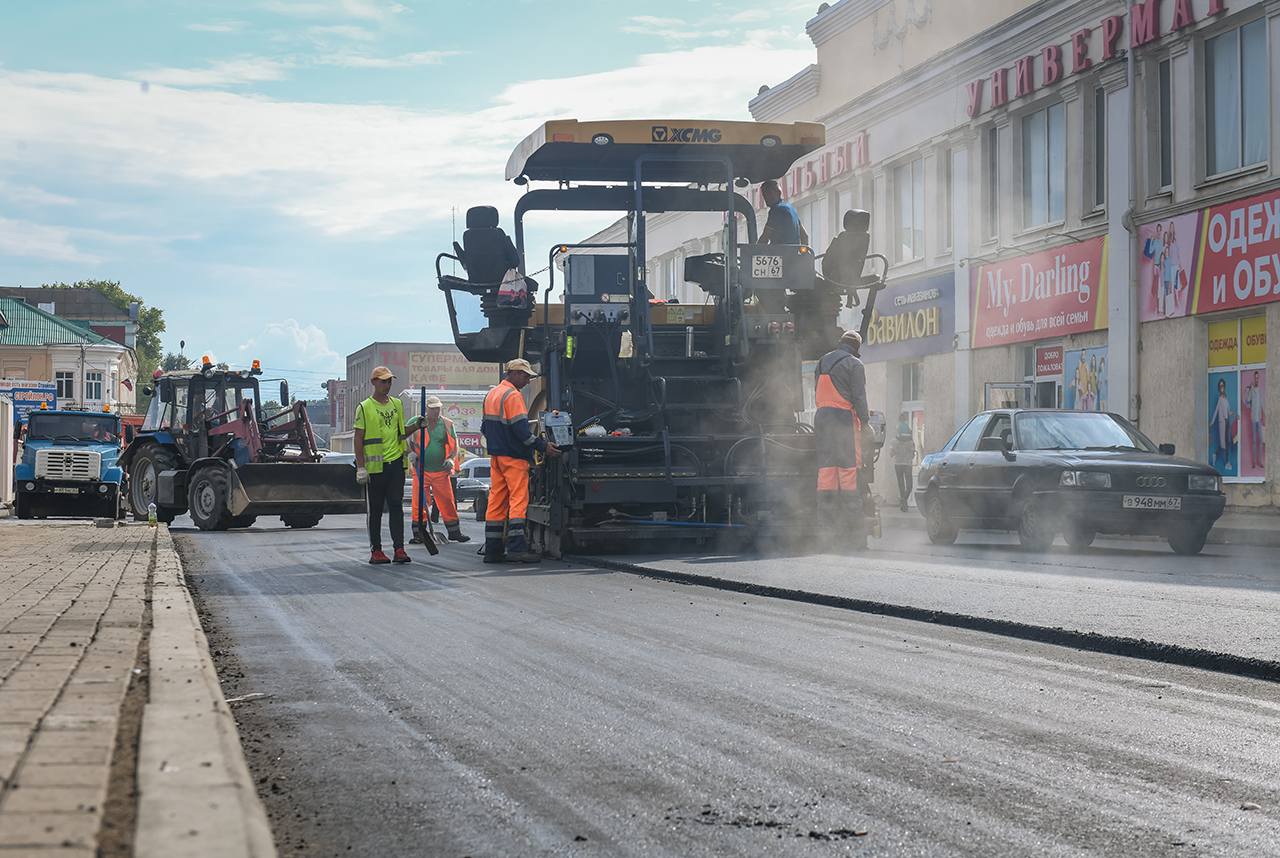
[378,557]
[401,556]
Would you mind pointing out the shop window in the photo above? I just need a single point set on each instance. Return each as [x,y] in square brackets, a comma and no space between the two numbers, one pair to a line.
[92,386]
[1237,392]
[1165,118]
[1235,86]
[908,181]
[1099,148]
[993,183]
[65,383]
[912,381]
[1044,163]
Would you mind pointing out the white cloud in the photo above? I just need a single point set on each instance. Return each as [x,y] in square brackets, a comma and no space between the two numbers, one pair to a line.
[288,345]
[365,9]
[219,27]
[419,58]
[345,32]
[373,169]
[21,238]
[225,73]
[751,15]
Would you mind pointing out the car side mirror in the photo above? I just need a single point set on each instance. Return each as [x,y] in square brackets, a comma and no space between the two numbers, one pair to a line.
[148,390]
[1167,449]
[284,394]
[992,444]
[128,433]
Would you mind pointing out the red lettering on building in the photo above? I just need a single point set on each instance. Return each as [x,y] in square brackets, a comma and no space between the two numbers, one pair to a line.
[1080,51]
[975,97]
[999,90]
[861,151]
[1217,7]
[1112,27]
[1144,23]
[1051,60]
[1183,16]
[1024,77]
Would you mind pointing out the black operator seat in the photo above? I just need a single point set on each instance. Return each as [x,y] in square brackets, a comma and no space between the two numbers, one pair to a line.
[487,253]
[847,253]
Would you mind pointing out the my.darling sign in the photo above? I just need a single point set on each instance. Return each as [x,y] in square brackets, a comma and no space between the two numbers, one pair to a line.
[1046,294]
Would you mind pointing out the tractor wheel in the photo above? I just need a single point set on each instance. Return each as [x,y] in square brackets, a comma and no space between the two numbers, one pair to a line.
[301,520]
[243,521]
[144,481]
[207,499]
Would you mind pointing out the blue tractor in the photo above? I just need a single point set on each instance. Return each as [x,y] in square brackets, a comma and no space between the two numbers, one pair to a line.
[207,447]
[70,465]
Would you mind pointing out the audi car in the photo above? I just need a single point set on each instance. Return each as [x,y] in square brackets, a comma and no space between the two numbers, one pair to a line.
[1078,473]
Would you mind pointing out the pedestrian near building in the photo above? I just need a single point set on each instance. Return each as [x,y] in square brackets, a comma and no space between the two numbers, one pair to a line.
[511,447]
[380,430]
[841,399]
[902,449]
[437,466]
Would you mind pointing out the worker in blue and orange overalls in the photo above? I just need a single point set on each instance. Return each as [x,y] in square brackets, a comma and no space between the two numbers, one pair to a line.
[841,399]
[438,466]
[511,446]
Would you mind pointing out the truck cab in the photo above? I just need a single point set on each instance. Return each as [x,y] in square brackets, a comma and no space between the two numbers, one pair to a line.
[70,465]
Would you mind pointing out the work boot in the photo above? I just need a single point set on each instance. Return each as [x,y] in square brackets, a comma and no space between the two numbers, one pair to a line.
[495,558]
[523,557]
[401,556]
[455,532]
[377,557]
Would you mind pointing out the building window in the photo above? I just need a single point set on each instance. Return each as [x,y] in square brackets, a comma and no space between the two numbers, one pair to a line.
[1237,390]
[1166,124]
[92,386]
[993,183]
[1099,148]
[812,218]
[912,376]
[673,276]
[65,382]
[908,181]
[1044,163]
[1236,114]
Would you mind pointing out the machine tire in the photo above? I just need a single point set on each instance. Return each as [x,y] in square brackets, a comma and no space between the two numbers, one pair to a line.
[144,475]
[1033,531]
[22,505]
[481,505]
[301,520]
[243,520]
[940,529]
[1187,541]
[207,499]
[1077,536]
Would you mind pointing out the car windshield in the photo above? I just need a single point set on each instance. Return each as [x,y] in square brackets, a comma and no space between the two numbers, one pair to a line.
[73,427]
[1077,430]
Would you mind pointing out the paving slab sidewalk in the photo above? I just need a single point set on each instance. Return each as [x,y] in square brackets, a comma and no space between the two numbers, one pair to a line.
[73,623]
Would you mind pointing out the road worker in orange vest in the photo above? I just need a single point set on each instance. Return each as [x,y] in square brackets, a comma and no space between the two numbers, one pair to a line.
[438,465]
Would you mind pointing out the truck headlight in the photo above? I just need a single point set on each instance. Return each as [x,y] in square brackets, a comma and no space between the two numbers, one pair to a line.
[102,488]
[1085,479]
[1203,483]
[31,487]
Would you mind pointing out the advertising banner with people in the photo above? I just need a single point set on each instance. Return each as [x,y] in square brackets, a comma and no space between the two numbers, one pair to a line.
[1220,258]
[1084,380]
[1237,397]
[1046,294]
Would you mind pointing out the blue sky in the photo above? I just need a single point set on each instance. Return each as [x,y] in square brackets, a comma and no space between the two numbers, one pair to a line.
[279,175]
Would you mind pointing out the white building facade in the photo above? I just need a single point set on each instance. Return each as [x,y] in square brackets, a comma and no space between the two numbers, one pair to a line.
[1079,202]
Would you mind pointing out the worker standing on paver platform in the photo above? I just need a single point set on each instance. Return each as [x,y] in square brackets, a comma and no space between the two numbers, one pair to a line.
[380,431]
[511,445]
[437,466]
[841,398]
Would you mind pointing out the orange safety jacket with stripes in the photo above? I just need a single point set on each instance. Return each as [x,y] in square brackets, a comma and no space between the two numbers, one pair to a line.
[840,381]
[450,442]
[506,424]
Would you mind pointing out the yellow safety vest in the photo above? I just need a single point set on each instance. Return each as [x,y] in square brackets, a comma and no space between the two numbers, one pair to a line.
[381,442]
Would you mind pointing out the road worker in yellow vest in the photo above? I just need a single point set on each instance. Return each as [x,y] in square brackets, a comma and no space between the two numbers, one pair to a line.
[380,430]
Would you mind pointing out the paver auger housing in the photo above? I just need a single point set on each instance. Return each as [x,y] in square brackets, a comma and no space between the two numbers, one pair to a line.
[206,446]
[677,420]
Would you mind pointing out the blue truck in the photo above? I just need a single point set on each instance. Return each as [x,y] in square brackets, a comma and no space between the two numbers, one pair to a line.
[70,465]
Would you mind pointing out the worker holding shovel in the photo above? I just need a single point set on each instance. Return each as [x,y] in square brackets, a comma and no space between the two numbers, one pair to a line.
[432,469]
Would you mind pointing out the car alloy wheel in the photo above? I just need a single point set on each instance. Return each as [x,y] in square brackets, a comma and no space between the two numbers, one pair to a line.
[941,530]
[1033,530]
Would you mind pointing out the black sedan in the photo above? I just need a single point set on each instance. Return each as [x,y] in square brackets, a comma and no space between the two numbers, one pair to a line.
[1080,473]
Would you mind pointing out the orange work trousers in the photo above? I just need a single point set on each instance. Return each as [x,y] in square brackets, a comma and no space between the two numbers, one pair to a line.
[508,489]
[438,482]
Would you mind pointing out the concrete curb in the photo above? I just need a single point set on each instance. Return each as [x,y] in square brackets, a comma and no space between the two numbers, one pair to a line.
[196,796]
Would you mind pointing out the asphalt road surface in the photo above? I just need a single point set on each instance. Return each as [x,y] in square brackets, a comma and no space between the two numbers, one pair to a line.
[447,708]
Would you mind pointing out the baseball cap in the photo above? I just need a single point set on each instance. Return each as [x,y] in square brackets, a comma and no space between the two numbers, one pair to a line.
[382,372]
[522,365]
[433,402]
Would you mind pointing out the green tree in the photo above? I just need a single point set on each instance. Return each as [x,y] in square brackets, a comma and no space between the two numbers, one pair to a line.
[146,335]
[175,363]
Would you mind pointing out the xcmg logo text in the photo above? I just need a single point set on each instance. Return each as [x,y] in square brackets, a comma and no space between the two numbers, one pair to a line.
[665,134]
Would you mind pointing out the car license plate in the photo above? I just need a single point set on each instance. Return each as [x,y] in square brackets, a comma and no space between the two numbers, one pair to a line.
[62,490]
[766,267]
[1151,502]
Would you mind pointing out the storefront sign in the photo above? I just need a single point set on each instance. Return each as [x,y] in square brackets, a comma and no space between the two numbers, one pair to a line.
[1237,397]
[912,319]
[1047,294]
[1253,340]
[1239,246]
[1048,363]
[1144,28]
[1084,384]
[1224,347]
[29,398]
[451,369]
[807,175]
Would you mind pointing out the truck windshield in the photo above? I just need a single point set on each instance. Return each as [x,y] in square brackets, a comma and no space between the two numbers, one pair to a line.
[73,427]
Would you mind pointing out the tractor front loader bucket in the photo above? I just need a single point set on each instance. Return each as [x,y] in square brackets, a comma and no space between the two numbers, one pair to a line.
[295,488]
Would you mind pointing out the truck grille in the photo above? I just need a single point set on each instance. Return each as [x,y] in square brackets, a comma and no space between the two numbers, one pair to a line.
[68,464]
